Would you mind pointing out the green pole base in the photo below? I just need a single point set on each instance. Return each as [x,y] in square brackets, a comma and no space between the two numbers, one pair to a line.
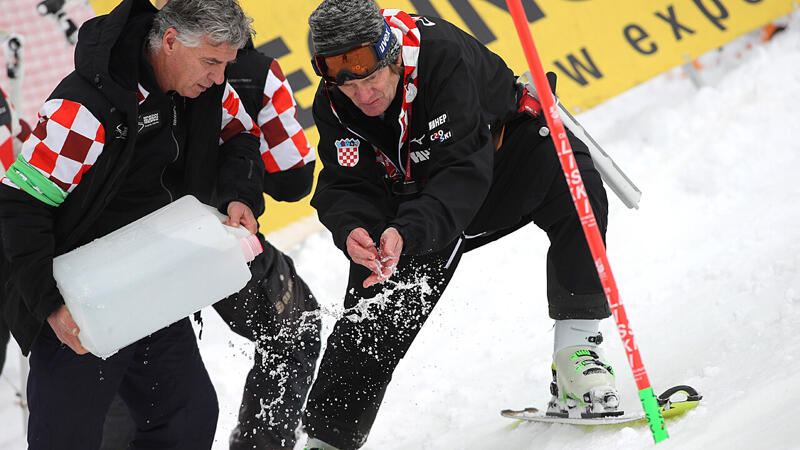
[653,414]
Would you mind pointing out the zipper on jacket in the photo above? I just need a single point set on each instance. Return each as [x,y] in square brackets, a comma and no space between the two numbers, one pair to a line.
[177,147]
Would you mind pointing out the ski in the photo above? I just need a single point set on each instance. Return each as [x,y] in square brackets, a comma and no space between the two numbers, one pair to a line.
[674,402]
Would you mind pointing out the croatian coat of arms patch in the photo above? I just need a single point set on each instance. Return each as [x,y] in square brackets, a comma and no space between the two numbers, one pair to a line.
[347,152]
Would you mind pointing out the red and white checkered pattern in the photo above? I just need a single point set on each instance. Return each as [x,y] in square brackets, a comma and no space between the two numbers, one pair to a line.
[405,29]
[235,119]
[12,135]
[6,148]
[283,142]
[347,152]
[6,136]
[65,143]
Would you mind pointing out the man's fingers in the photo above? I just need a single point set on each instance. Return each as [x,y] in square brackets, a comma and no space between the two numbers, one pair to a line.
[391,243]
[362,238]
[241,214]
[249,222]
[371,280]
[69,337]
[75,344]
[66,329]
[361,249]
[361,255]
[234,217]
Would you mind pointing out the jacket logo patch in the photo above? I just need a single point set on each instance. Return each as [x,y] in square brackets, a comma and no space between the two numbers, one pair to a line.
[418,140]
[149,121]
[347,152]
[441,135]
[424,21]
[121,131]
[437,121]
[422,155]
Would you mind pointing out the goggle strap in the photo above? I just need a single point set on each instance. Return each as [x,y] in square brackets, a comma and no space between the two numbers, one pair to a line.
[382,46]
[314,65]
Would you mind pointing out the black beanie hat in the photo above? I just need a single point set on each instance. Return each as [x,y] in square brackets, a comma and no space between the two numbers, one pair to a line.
[337,23]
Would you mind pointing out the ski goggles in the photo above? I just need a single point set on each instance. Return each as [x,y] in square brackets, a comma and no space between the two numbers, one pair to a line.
[353,62]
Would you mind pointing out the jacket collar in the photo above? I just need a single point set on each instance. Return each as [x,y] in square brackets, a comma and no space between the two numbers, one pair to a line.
[108,49]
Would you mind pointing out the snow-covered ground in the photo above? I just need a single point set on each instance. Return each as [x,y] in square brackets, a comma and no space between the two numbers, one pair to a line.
[708,269]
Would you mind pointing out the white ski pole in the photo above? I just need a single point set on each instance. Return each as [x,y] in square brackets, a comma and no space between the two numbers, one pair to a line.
[612,175]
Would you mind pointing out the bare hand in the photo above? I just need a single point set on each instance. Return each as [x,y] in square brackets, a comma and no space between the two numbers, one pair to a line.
[66,329]
[239,213]
[362,250]
[389,254]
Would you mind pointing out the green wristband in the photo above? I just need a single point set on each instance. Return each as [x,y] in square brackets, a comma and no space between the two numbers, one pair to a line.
[32,181]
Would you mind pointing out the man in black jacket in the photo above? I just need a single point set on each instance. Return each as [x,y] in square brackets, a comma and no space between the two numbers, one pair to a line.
[126,133]
[430,148]
[276,309]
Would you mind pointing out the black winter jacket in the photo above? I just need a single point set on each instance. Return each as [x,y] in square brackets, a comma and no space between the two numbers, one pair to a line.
[104,81]
[464,92]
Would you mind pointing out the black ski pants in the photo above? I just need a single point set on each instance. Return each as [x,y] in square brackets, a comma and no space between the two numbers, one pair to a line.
[278,312]
[161,378]
[381,322]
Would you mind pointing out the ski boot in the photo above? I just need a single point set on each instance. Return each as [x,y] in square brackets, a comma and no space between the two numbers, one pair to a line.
[583,385]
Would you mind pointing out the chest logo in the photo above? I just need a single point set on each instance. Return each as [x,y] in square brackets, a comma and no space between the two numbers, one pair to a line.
[420,156]
[437,121]
[347,152]
[424,21]
[121,132]
[441,135]
[149,121]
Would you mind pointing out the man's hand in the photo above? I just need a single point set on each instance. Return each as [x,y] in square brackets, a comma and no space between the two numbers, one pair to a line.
[239,213]
[66,329]
[362,250]
[382,261]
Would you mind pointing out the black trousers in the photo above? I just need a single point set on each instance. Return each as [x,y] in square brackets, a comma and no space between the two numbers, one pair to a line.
[381,322]
[277,311]
[161,378]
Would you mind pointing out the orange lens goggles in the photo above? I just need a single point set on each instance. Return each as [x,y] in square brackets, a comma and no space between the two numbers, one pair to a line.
[353,62]
[358,62]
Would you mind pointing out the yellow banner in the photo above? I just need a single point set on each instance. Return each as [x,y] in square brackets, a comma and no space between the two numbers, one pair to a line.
[598,48]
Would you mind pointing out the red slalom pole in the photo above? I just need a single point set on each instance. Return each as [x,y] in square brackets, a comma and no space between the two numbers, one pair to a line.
[588,221]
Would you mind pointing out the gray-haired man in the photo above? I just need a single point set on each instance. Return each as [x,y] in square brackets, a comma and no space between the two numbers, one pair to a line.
[94,164]
[431,148]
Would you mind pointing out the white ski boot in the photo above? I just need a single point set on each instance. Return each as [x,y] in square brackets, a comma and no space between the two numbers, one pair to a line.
[583,384]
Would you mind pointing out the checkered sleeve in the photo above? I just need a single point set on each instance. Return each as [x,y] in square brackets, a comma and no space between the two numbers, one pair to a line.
[235,119]
[6,136]
[65,144]
[13,132]
[283,143]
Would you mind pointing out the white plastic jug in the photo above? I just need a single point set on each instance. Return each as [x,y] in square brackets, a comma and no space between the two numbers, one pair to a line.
[151,273]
